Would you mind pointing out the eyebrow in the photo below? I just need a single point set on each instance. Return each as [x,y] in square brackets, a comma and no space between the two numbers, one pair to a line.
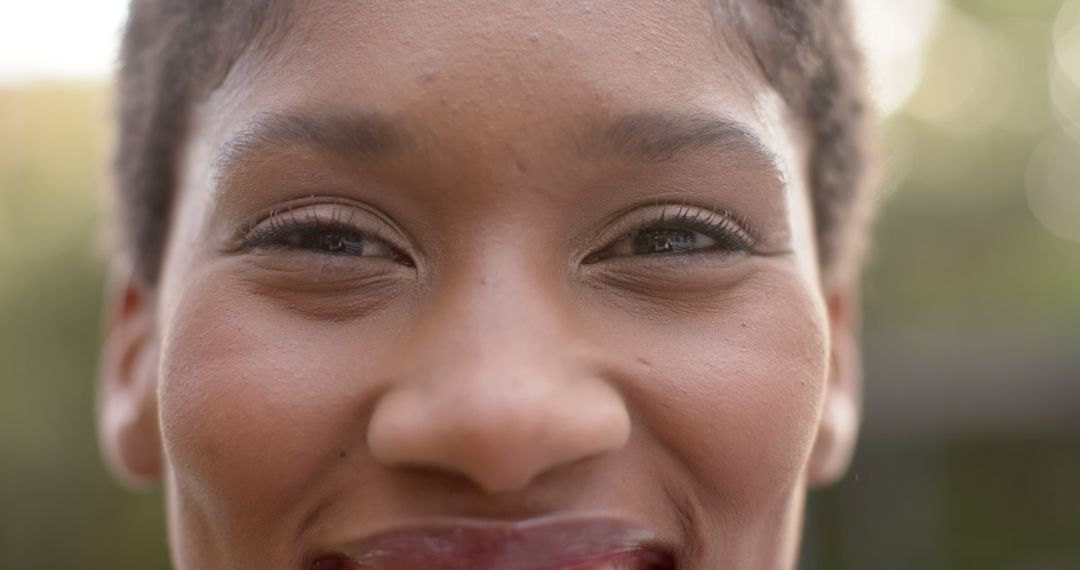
[653,136]
[368,135]
[659,136]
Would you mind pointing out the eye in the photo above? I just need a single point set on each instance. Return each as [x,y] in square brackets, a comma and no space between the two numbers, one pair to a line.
[336,241]
[320,231]
[675,230]
[662,240]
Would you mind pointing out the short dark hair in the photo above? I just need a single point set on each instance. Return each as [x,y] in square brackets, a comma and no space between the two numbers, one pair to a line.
[176,52]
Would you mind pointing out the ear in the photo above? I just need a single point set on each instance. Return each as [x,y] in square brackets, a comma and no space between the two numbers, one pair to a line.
[839,424]
[127,414]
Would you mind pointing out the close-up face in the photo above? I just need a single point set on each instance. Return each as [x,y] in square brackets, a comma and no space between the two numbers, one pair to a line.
[499,285]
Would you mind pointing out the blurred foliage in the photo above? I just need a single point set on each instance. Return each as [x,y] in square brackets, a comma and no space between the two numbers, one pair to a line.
[58,507]
[971,445]
[958,245]
[968,297]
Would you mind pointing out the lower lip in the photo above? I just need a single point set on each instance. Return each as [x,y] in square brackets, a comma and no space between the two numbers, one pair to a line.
[640,560]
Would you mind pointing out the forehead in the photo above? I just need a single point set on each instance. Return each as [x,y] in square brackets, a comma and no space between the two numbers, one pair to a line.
[497,59]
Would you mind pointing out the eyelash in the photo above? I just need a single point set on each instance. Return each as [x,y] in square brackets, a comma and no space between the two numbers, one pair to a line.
[282,229]
[731,232]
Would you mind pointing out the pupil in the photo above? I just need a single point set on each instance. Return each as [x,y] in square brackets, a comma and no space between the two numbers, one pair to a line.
[332,242]
[663,241]
[339,243]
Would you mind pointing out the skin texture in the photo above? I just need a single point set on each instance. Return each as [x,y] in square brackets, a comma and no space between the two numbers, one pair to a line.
[292,400]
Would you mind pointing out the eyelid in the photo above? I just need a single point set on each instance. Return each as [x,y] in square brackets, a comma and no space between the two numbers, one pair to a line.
[322,213]
[672,214]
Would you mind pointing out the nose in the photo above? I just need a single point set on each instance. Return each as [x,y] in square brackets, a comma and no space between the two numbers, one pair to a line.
[494,392]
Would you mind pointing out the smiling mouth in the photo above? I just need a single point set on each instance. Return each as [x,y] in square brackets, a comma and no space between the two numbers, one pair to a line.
[531,545]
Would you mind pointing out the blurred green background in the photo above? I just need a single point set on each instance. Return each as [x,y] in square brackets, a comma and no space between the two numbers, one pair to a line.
[970,453]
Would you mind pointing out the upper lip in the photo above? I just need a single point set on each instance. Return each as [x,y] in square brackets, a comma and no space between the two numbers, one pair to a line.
[536,544]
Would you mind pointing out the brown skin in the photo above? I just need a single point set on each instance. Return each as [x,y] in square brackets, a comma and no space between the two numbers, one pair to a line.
[292,400]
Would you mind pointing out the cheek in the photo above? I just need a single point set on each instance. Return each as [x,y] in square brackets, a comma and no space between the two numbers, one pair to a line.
[735,395]
[248,390]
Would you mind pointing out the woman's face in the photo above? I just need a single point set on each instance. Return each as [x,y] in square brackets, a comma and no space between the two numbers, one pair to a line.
[503,285]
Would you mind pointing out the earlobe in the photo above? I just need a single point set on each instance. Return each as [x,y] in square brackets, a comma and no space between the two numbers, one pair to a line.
[127,413]
[839,424]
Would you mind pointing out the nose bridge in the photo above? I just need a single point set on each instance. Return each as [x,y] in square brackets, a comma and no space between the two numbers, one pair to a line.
[497,388]
[497,311]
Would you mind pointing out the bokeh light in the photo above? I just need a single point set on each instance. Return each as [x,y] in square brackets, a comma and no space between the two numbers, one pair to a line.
[1066,38]
[47,39]
[1053,185]
[1065,97]
[1065,67]
[969,86]
[893,33]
